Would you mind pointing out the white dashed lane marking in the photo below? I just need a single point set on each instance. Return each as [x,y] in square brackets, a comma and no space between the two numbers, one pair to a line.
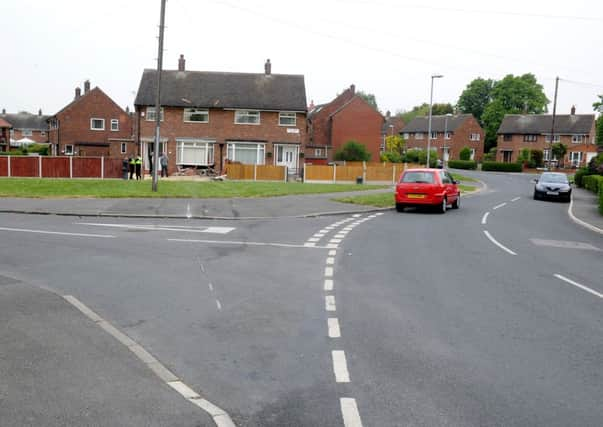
[333,326]
[485,218]
[330,261]
[340,367]
[493,240]
[328,285]
[515,199]
[578,285]
[328,271]
[499,206]
[330,303]
[349,412]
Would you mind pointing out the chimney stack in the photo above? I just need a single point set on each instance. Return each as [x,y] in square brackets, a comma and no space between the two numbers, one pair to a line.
[573,110]
[268,67]
[181,63]
[78,92]
[353,89]
[388,114]
[86,87]
[40,112]
[4,111]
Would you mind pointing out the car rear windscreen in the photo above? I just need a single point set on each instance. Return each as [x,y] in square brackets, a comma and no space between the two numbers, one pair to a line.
[418,177]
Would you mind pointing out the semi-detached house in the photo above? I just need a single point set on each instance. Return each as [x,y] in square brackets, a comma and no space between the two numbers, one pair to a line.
[208,118]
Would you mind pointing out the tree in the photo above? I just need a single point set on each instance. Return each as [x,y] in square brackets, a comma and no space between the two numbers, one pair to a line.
[476,96]
[598,106]
[369,98]
[465,153]
[559,151]
[353,151]
[394,149]
[423,110]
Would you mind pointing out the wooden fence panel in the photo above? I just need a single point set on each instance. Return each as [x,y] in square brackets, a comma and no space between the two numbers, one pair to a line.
[318,173]
[380,173]
[86,167]
[24,166]
[270,173]
[240,172]
[348,173]
[55,167]
[113,167]
[4,166]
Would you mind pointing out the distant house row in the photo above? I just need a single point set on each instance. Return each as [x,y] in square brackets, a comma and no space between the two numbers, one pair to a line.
[211,118]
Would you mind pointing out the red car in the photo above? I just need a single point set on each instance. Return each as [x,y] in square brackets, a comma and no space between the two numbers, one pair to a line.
[427,187]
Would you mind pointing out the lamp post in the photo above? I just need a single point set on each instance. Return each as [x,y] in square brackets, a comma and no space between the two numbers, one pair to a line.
[435,76]
[446,150]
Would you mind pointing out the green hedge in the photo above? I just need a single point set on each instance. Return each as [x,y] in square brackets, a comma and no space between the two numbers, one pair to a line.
[579,176]
[593,183]
[601,201]
[462,164]
[502,167]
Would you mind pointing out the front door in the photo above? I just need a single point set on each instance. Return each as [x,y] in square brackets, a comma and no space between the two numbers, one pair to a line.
[286,155]
[147,154]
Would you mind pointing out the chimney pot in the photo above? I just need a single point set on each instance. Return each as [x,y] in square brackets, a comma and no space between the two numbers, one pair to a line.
[78,92]
[181,63]
[268,67]
[86,86]
[573,110]
[40,112]
[4,111]
[353,89]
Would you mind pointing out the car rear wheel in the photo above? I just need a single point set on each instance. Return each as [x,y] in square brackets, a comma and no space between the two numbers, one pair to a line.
[443,206]
[399,207]
[457,203]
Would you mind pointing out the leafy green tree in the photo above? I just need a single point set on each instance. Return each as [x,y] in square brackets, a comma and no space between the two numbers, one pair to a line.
[476,96]
[465,153]
[423,110]
[599,130]
[353,151]
[369,98]
[395,144]
[559,151]
[537,157]
[598,106]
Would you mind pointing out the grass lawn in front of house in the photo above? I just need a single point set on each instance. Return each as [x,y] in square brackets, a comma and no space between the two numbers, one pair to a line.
[115,188]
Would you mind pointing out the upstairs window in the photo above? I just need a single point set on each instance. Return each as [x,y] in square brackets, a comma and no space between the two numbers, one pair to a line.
[286,119]
[247,117]
[556,138]
[114,125]
[474,137]
[507,137]
[196,115]
[151,117]
[406,136]
[418,135]
[26,132]
[577,139]
[434,135]
[447,135]
[530,138]
[97,124]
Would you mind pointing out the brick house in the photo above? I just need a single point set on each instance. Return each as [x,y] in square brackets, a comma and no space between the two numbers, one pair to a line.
[347,117]
[32,127]
[449,135]
[92,125]
[392,125]
[533,131]
[5,128]
[211,117]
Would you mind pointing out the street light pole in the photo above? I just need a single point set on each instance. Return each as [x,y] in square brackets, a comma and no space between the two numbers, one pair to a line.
[435,76]
[553,123]
[158,97]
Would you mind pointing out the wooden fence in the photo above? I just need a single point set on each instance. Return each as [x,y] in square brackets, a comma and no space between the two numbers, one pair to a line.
[371,173]
[242,172]
[60,167]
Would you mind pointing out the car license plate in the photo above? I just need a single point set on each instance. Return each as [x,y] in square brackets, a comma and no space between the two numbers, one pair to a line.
[552,193]
[416,196]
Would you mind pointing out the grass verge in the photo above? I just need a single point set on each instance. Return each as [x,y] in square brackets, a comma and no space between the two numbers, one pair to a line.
[89,188]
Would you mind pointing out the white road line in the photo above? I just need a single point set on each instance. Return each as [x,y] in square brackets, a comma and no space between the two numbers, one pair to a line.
[379,214]
[309,245]
[515,199]
[335,241]
[328,285]
[220,417]
[319,235]
[232,242]
[340,367]
[332,246]
[493,240]
[340,236]
[313,239]
[57,233]
[334,330]
[578,285]
[210,286]
[499,206]
[330,303]
[219,305]
[330,261]
[332,252]
[349,411]
[570,212]
[485,218]
[329,272]
[213,230]
[356,216]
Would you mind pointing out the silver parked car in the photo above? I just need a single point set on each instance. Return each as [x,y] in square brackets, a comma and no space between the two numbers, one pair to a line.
[553,185]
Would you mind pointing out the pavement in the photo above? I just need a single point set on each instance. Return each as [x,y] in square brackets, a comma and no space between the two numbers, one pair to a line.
[584,210]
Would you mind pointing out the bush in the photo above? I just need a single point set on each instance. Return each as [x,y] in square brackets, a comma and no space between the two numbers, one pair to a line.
[593,183]
[462,164]
[601,201]
[353,151]
[490,156]
[502,167]
[391,157]
[537,157]
[580,174]
[465,154]
[416,155]
[411,156]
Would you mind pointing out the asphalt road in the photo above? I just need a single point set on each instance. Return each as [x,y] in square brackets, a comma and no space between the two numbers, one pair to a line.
[385,320]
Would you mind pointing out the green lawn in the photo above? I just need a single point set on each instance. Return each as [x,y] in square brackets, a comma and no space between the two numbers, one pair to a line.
[459,177]
[112,188]
[385,200]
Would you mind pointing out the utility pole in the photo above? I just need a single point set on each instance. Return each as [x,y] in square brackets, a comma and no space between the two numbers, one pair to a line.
[553,122]
[158,97]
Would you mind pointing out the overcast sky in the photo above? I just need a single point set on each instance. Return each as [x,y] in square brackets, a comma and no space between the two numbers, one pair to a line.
[386,47]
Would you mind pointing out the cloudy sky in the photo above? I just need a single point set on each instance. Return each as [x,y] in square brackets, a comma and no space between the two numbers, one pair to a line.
[386,47]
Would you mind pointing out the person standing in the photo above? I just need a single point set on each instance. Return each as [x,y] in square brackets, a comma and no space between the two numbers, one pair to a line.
[163,161]
[132,166]
[138,164]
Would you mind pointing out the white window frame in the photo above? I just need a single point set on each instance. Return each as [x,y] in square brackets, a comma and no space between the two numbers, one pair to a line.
[434,135]
[571,157]
[474,137]
[260,151]
[418,135]
[188,112]
[287,115]
[207,145]
[318,152]
[69,150]
[124,148]
[406,136]
[447,135]
[150,114]
[92,121]
[26,132]
[530,137]
[246,114]
[43,133]
[577,139]
[556,138]
[114,125]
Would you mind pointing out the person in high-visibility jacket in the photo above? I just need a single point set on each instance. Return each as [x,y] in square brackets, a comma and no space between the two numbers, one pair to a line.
[138,164]
[132,166]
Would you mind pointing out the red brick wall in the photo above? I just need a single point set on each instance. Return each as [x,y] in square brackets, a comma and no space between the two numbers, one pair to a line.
[320,132]
[74,124]
[357,121]
[36,135]
[222,128]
